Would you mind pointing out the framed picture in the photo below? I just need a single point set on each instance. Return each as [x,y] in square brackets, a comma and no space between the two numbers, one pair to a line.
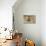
[29,19]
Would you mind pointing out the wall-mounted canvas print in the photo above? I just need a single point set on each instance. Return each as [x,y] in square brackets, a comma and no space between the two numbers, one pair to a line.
[29,19]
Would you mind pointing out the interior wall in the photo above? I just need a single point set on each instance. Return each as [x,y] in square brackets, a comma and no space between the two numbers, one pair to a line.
[43,22]
[30,31]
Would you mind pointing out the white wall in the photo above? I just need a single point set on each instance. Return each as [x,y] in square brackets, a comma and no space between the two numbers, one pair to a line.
[31,31]
[32,7]
[43,22]
[6,13]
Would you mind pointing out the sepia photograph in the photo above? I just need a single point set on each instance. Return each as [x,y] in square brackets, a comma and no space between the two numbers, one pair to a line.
[29,19]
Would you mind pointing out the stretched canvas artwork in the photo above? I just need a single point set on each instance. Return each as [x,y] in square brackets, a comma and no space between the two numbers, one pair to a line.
[29,19]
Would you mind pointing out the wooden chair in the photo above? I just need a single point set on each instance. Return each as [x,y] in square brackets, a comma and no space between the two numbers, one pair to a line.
[18,39]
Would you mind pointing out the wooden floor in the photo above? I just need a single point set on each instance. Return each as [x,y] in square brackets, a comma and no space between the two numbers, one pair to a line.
[9,43]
